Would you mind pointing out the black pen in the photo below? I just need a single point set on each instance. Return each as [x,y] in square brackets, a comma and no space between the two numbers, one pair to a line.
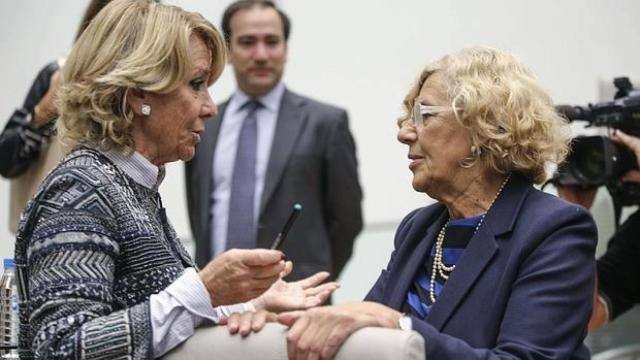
[287,226]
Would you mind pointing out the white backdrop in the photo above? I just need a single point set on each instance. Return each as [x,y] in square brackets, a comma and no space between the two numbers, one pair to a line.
[363,55]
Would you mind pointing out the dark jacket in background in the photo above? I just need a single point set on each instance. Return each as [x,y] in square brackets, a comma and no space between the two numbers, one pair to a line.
[312,162]
[619,267]
[20,142]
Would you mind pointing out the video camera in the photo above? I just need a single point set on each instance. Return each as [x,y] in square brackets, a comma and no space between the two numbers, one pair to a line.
[596,160]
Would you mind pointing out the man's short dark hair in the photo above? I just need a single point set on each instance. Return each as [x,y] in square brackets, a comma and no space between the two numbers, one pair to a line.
[247,4]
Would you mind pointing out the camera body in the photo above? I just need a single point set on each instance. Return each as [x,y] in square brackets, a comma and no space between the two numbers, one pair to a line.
[596,160]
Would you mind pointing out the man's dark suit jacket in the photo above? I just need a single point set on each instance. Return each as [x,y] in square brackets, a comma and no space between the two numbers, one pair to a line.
[312,162]
[619,267]
[523,288]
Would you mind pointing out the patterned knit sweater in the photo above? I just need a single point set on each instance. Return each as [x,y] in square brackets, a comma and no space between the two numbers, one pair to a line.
[91,249]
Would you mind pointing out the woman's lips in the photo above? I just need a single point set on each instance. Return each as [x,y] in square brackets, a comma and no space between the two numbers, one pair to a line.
[414,164]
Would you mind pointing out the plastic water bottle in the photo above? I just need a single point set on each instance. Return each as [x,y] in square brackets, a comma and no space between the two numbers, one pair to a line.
[8,312]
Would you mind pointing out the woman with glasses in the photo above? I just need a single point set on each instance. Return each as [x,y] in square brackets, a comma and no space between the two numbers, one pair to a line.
[496,268]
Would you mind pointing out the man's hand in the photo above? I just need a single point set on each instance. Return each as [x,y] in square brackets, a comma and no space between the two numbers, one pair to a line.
[633,143]
[302,294]
[238,276]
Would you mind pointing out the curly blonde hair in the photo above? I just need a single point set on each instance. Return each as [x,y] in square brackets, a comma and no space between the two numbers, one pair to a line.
[509,117]
[130,44]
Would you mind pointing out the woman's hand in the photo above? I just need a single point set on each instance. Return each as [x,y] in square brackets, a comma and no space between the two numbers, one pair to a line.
[247,322]
[633,144]
[319,332]
[238,276]
[301,294]
[45,109]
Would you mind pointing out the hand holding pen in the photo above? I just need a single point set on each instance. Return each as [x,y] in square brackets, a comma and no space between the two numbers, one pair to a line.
[282,235]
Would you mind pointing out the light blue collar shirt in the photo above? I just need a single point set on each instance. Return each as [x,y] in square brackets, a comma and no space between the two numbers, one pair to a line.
[225,155]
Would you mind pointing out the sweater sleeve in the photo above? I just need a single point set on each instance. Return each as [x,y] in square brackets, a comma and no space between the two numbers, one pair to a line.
[73,311]
[75,253]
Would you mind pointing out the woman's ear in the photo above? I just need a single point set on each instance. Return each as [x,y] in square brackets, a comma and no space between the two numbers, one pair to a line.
[137,103]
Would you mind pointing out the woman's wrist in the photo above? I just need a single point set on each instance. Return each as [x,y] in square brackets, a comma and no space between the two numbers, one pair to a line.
[40,116]
[385,316]
[258,303]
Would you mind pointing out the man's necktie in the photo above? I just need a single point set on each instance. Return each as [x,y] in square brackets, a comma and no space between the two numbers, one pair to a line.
[241,232]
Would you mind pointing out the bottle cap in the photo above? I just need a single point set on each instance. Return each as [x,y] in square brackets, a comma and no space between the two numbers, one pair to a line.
[8,263]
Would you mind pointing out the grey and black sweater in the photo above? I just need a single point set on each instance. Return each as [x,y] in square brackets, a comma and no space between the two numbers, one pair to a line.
[91,248]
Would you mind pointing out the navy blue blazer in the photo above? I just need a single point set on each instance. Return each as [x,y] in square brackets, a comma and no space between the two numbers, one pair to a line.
[523,288]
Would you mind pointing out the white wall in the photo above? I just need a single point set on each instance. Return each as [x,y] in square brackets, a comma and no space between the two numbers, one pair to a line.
[362,55]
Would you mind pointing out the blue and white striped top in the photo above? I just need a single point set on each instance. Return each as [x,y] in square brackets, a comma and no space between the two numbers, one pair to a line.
[458,234]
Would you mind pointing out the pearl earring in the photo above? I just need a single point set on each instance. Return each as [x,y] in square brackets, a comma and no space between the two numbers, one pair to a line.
[476,151]
[146,109]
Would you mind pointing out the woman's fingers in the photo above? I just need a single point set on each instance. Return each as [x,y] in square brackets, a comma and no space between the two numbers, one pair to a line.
[288,267]
[247,322]
[313,280]
[330,286]
[289,318]
[317,300]
[296,330]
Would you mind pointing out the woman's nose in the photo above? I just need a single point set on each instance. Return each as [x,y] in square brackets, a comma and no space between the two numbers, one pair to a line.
[407,133]
[209,108]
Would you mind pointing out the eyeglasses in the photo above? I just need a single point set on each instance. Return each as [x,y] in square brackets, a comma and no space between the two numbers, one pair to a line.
[420,111]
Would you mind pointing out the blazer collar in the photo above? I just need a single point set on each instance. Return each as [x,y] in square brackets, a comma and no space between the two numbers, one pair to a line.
[292,119]
[208,144]
[499,220]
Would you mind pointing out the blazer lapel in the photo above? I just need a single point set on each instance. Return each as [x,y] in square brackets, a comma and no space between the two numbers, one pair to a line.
[481,249]
[210,139]
[208,145]
[415,252]
[476,256]
[291,121]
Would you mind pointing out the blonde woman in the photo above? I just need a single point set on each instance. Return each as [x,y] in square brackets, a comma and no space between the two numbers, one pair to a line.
[102,274]
[496,269]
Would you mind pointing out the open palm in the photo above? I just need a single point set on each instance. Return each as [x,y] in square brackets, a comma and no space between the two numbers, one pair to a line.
[302,294]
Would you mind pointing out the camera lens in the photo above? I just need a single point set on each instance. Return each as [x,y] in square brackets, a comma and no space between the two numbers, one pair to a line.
[622,159]
[590,164]
[588,160]
[596,160]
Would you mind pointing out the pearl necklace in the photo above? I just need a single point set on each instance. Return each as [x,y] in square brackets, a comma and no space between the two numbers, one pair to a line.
[438,265]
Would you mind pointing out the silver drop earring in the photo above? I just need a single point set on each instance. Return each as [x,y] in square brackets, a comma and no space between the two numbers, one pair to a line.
[146,109]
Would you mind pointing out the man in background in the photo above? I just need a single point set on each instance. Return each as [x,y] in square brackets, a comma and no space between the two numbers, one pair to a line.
[618,278]
[269,149]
